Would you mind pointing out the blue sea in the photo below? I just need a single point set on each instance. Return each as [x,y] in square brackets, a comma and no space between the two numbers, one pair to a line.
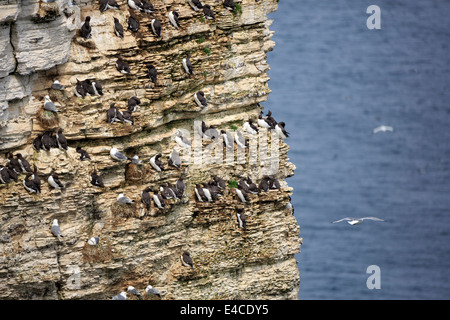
[333,81]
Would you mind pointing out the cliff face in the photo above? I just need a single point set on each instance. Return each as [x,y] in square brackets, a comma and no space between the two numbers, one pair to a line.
[40,43]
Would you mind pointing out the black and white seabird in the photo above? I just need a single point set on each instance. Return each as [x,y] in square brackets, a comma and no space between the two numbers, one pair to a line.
[243,185]
[56,230]
[127,116]
[80,91]
[200,99]
[209,14]
[241,219]
[240,140]
[274,183]
[219,182]
[214,191]
[187,65]
[156,27]
[83,154]
[227,138]
[35,179]
[113,114]
[5,178]
[229,5]
[201,197]
[61,139]
[133,102]
[103,5]
[117,155]
[186,259]
[58,86]
[108,4]
[158,200]
[89,89]
[12,174]
[182,140]
[53,180]
[173,18]
[207,193]
[23,163]
[29,184]
[135,4]
[264,184]
[47,140]
[212,133]
[48,105]
[122,66]
[96,180]
[252,187]
[133,23]
[155,162]
[196,5]
[180,187]
[167,192]
[250,127]
[86,28]
[54,140]
[118,28]
[209,132]
[13,162]
[97,87]
[121,198]
[37,142]
[152,73]
[279,128]
[264,123]
[174,159]
[174,190]
[270,119]
[94,241]
[242,194]
[145,197]
[147,7]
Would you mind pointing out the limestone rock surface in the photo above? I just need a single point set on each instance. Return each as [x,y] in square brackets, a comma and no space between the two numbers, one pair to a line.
[40,43]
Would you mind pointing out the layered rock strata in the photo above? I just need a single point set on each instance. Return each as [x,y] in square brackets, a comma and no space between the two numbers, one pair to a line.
[40,43]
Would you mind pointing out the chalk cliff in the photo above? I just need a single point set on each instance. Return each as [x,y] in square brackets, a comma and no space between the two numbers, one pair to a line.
[39,43]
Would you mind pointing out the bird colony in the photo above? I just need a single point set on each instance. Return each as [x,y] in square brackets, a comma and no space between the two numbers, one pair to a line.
[130,181]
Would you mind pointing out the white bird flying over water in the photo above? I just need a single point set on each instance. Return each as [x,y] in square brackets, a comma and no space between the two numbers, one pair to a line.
[354,221]
[383,128]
